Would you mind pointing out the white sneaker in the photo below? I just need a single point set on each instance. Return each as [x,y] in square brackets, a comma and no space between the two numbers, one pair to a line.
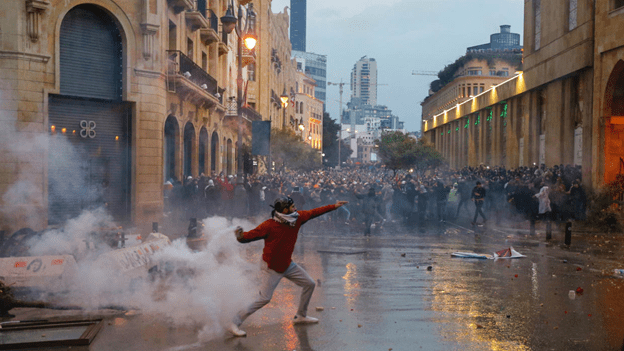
[235,330]
[304,320]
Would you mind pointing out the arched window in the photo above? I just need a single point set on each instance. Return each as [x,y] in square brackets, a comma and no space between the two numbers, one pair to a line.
[214,151]
[91,54]
[201,155]
[172,131]
[229,158]
[189,141]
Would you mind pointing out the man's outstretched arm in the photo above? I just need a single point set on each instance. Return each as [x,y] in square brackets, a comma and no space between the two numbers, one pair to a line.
[313,213]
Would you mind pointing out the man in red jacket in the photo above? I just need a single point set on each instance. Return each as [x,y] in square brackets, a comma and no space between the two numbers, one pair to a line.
[280,235]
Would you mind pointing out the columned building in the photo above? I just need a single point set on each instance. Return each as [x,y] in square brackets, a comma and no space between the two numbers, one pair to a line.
[564,108]
[607,125]
[103,101]
[482,67]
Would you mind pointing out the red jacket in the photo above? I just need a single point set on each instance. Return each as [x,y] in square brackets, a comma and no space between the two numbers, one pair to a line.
[280,239]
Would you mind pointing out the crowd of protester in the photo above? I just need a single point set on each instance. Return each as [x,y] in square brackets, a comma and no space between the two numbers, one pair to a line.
[379,195]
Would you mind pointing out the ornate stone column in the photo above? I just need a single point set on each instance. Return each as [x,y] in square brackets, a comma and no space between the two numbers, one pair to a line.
[149,33]
[34,10]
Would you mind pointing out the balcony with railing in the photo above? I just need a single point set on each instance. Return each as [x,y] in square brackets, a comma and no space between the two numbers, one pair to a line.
[196,20]
[248,57]
[231,107]
[250,114]
[186,77]
[247,112]
[210,34]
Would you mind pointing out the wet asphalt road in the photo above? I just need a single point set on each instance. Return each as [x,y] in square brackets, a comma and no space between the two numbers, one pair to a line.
[377,294]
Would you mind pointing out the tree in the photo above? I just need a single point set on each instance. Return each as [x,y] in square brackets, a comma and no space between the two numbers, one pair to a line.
[447,75]
[288,151]
[398,150]
[427,157]
[330,142]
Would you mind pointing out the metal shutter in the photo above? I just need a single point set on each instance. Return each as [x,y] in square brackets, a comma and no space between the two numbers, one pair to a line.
[89,170]
[90,54]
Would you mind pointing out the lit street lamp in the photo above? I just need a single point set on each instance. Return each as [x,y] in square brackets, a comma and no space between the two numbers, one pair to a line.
[247,35]
[301,129]
[284,100]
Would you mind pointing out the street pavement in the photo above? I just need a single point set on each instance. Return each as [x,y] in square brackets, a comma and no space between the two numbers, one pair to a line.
[399,289]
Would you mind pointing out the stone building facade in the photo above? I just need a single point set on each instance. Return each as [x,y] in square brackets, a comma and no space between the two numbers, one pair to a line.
[103,101]
[308,111]
[472,79]
[562,109]
[608,91]
[482,67]
[276,75]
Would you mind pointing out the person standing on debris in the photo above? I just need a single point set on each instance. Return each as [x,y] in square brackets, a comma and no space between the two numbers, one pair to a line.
[478,196]
[280,235]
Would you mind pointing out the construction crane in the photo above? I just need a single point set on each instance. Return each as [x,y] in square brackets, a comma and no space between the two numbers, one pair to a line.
[424,73]
[341,86]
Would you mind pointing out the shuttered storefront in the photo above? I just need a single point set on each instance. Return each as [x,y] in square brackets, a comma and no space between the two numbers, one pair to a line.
[89,155]
[89,158]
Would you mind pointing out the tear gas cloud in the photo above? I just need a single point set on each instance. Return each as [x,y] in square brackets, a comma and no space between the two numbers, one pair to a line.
[203,288]
[29,152]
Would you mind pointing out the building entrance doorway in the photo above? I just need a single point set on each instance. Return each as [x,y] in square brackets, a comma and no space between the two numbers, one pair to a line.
[614,124]
[89,158]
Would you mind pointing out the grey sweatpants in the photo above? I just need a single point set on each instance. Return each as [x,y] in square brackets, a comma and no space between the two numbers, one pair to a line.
[268,282]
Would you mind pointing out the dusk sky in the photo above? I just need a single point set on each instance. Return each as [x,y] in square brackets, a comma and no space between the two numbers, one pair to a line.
[403,36]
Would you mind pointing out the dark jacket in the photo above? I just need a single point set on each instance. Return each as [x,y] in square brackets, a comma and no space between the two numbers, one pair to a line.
[478,194]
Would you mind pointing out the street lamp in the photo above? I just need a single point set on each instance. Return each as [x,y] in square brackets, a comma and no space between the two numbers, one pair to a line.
[248,35]
[284,100]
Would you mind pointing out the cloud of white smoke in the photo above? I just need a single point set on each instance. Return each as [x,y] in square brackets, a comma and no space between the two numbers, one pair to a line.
[202,289]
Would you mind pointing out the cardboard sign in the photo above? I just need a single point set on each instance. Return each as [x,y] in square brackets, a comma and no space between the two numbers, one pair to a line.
[133,257]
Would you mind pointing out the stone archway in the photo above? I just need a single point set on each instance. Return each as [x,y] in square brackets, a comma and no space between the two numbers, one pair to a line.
[230,159]
[614,124]
[201,153]
[189,143]
[214,152]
